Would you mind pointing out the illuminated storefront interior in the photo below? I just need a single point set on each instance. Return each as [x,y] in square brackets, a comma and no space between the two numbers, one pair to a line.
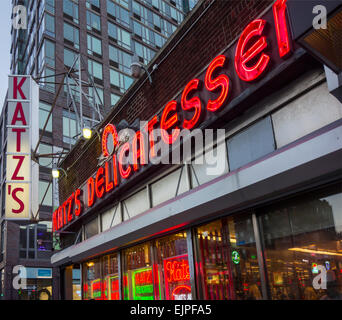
[229,255]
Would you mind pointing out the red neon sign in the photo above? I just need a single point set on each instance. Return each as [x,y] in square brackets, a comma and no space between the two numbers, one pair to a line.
[279,13]
[108,130]
[221,81]
[245,52]
[125,173]
[192,104]
[167,122]
[176,273]
[179,291]
[222,78]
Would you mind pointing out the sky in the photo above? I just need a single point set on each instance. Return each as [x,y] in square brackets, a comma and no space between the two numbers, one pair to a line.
[5,45]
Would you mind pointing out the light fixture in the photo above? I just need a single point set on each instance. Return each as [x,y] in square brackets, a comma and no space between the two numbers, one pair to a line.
[87,133]
[56,172]
[136,68]
[321,252]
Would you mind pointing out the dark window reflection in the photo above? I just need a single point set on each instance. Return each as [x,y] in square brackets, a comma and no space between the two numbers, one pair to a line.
[303,247]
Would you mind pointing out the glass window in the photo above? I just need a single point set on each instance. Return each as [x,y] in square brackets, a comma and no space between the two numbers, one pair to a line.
[120,59]
[210,166]
[91,228]
[45,188]
[49,79]
[172,273]
[227,264]
[95,69]
[114,98]
[110,276]
[118,13]
[145,54]
[93,21]
[69,58]
[46,55]
[120,36]
[302,240]
[44,237]
[111,217]
[45,149]
[94,45]
[135,204]
[71,34]
[120,81]
[93,3]
[92,281]
[44,110]
[166,188]
[70,128]
[70,9]
[49,22]
[137,273]
[251,144]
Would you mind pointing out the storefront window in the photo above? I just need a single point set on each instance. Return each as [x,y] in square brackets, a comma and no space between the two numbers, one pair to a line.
[137,273]
[172,274]
[110,271]
[92,282]
[227,266]
[303,248]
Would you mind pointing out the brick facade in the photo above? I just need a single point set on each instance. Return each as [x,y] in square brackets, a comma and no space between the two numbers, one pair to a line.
[211,27]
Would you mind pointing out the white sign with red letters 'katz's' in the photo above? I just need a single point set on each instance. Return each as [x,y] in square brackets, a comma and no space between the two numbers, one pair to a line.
[22,174]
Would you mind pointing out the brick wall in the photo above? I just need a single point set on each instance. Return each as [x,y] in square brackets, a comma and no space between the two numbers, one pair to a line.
[205,33]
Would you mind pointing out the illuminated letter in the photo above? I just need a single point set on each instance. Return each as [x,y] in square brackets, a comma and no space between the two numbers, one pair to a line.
[150,129]
[54,221]
[167,124]
[15,198]
[19,109]
[60,217]
[17,88]
[17,169]
[78,207]
[115,171]
[99,181]
[109,185]
[138,152]
[194,103]
[221,81]
[125,173]
[18,131]
[90,184]
[109,129]
[70,215]
[279,9]
[243,56]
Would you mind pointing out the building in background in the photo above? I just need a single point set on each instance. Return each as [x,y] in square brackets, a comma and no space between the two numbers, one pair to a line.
[266,226]
[106,34]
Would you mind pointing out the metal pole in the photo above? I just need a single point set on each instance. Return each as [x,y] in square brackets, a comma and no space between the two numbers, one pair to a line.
[191,259]
[80,86]
[49,115]
[261,261]
[120,275]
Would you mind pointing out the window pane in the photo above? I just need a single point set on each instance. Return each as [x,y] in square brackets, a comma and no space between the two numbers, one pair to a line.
[110,275]
[172,279]
[92,280]
[93,21]
[302,240]
[91,228]
[45,187]
[44,110]
[45,149]
[137,273]
[227,265]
